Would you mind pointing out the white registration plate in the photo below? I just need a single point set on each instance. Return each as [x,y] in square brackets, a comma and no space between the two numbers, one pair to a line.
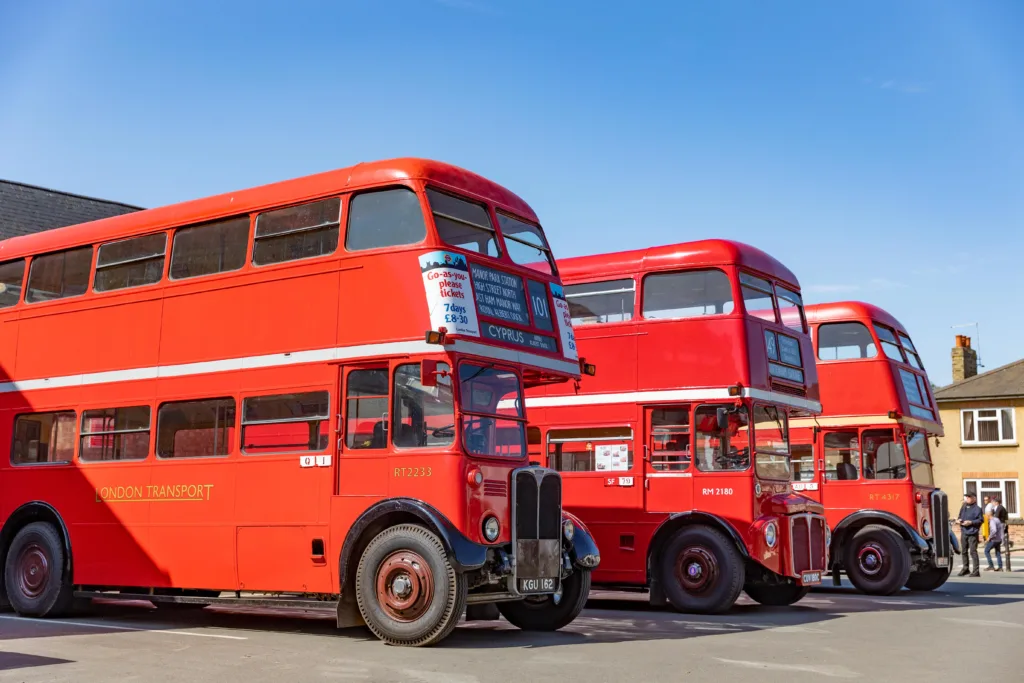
[537,585]
[941,561]
[810,578]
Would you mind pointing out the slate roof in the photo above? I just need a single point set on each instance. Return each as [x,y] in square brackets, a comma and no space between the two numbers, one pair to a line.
[26,209]
[1003,382]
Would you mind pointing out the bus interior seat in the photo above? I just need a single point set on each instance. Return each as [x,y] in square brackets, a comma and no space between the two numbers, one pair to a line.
[846,471]
[380,436]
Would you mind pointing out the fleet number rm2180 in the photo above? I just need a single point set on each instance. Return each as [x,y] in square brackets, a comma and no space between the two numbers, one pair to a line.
[717,492]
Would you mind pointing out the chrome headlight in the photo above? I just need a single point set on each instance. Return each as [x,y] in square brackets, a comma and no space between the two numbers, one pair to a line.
[771,534]
[926,528]
[568,529]
[491,529]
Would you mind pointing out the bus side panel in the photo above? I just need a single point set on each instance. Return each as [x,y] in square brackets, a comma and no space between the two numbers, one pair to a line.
[397,301]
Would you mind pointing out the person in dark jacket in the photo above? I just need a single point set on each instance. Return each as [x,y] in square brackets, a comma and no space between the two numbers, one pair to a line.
[970,519]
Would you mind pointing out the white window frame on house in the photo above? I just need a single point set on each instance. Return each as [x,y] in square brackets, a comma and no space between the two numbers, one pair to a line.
[982,491]
[998,419]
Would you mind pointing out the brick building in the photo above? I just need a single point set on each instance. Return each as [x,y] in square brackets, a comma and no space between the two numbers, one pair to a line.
[26,209]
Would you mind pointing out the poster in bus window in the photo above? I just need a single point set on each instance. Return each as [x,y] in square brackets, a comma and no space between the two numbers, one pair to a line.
[449,293]
[611,457]
[564,319]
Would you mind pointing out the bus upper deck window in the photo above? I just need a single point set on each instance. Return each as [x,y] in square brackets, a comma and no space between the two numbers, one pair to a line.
[463,224]
[209,248]
[130,263]
[791,308]
[384,218]
[59,275]
[526,244]
[688,294]
[12,274]
[889,344]
[297,232]
[845,341]
[609,301]
[757,297]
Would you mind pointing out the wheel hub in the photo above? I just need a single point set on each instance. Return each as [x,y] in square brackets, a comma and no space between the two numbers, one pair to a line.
[872,559]
[405,585]
[696,569]
[33,571]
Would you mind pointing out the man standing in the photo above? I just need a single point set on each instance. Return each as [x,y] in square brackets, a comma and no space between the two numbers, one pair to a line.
[995,542]
[970,519]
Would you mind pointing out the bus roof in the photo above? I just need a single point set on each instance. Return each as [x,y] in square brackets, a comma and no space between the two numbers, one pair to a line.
[245,201]
[672,256]
[850,310]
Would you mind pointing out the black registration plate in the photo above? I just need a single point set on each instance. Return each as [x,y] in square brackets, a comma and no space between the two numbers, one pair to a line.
[541,585]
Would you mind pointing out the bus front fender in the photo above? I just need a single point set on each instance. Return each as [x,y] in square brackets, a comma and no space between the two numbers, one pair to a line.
[582,548]
[862,518]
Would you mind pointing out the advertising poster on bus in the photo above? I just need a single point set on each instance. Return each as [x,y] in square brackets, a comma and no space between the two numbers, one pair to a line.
[564,319]
[449,293]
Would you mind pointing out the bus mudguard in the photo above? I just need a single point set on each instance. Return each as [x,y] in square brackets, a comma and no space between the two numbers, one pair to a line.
[463,553]
[862,517]
[35,511]
[583,550]
[680,519]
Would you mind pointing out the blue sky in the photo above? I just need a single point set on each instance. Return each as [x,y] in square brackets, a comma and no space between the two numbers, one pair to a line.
[875,147]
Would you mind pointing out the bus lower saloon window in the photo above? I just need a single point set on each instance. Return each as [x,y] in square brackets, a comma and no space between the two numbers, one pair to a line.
[297,232]
[130,263]
[492,411]
[11,275]
[883,455]
[285,424]
[43,437]
[722,447]
[463,224]
[690,294]
[842,455]
[366,409]
[670,439]
[114,434]
[196,429]
[423,417]
[594,449]
[771,442]
[209,248]
[845,341]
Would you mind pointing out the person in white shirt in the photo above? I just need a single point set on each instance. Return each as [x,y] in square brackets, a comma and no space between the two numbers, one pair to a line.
[996,529]
[990,505]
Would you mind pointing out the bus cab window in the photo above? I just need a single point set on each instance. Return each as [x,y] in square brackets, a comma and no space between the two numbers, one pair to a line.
[43,437]
[722,450]
[492,407]
[385,218]
[422,417]
[287,423]
[842,456]
[463,224]
[883,455]
[11,275]
[196,429]
[297,232]
[670,439]
[771,442]
[366,409]
[803,461]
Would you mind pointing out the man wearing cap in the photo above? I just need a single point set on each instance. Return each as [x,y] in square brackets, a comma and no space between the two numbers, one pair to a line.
[970,519]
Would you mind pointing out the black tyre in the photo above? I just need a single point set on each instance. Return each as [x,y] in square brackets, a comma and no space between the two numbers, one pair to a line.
[34,573]
[407,591]
[550,612]
[776,595]
[701,571]
[877,560]
[929,579]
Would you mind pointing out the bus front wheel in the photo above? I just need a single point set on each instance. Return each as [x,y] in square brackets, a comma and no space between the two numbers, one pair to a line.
[876,560]
[701,571]
[407,590]
[776,595]
[929,579]
[34,573]
[550,612]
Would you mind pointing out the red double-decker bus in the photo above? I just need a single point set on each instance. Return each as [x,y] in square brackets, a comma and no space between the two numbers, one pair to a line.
[676,455]
[312,389]
[866,458]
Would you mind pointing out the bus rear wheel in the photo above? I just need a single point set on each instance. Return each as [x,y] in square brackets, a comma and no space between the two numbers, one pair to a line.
[929,579]
[407,590]
[776,595]
[34,573]
[876,560]
[550,612]
[701,571]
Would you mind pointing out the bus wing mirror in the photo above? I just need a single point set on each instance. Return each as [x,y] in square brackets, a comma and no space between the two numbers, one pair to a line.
[722,419]
[428,373]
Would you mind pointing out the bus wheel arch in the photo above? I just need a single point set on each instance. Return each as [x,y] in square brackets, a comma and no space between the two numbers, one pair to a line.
[711,545]
[35,511]
[852,523]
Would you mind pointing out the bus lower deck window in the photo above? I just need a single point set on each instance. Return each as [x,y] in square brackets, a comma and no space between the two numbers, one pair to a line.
[43,437]
[196,429]
[285,423]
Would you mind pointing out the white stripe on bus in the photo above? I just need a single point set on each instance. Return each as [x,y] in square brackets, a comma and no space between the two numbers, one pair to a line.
[669,395]
[284,359]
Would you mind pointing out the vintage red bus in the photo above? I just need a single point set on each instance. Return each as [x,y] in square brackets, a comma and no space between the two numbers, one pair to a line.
[866,458]
[676,455]
[311,388]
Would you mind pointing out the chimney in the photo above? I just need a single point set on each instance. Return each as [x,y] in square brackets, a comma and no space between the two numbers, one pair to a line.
[965,359]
